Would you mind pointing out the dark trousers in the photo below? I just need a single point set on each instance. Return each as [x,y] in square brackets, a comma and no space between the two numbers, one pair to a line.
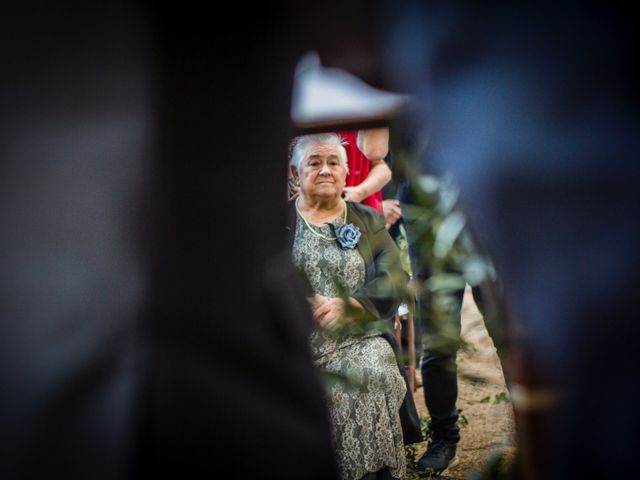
[439,370]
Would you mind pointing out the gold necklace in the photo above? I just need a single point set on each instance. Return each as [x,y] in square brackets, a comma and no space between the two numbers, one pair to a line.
[324,237]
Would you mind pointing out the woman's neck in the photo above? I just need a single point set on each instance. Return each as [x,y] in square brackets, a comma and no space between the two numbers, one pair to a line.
[320,211]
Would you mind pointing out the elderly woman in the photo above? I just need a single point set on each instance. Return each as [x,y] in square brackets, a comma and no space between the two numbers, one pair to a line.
[354,271]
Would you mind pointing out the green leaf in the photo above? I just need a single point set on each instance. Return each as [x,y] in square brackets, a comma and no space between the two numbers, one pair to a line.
[429,183]
[445,281]
[450,229]
[476,269]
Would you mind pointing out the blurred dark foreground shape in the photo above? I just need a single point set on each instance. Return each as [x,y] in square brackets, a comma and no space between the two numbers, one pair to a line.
[533,111]
[149,325]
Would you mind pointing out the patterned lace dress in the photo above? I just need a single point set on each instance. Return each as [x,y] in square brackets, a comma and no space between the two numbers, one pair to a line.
[366,430]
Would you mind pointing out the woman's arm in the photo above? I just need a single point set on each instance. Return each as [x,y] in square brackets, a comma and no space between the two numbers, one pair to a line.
[378,177]
[374,144]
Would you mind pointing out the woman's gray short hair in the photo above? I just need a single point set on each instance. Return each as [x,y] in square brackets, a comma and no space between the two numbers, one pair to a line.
[302,148]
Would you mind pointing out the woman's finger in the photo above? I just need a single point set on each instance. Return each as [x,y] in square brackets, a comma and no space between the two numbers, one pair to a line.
[321,310]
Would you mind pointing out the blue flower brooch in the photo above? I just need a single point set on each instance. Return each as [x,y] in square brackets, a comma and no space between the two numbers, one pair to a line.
[347,235]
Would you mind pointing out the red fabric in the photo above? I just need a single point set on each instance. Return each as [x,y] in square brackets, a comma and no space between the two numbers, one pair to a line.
[359,167]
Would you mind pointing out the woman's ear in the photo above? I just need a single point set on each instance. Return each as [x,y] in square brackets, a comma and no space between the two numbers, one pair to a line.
[294,175]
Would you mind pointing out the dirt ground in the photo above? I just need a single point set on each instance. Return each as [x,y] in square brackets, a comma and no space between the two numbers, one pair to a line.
[482,399]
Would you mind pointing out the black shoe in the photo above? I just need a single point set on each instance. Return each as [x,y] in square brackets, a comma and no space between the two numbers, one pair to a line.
[439,456]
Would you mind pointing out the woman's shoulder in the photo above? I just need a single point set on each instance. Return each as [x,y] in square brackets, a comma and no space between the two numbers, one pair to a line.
[370,217]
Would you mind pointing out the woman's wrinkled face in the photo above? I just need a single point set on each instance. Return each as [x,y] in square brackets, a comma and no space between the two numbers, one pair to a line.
[322,174]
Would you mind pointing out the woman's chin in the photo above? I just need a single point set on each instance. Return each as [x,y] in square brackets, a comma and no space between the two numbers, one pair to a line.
[327,193]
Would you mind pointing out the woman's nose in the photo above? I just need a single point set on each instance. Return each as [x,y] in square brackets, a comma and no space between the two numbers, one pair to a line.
[324,170]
